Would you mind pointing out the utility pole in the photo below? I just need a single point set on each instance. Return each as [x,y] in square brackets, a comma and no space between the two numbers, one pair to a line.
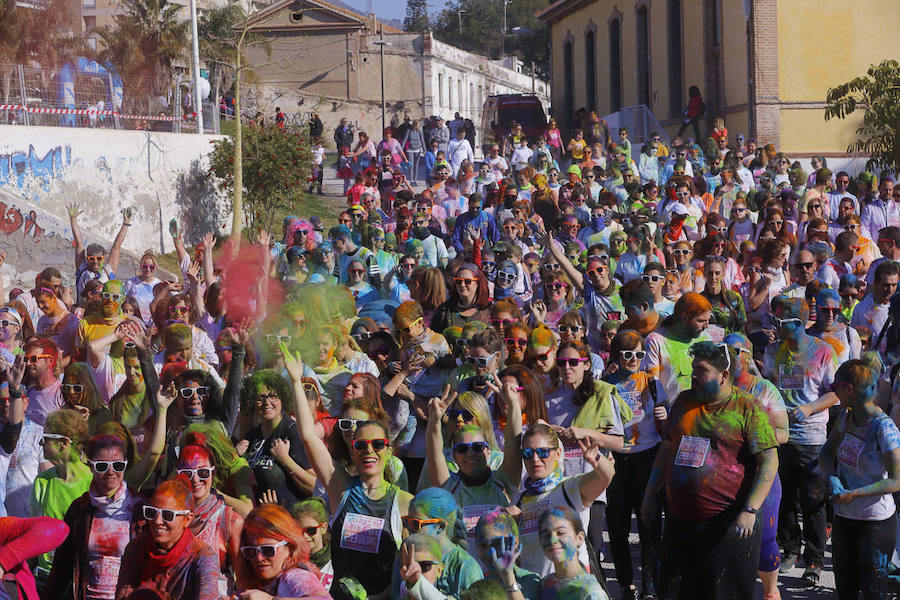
[381,44]
[460,13]
[198,106]
[503,33]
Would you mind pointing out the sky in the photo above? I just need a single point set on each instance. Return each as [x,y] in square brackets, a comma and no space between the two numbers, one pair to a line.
[388,9]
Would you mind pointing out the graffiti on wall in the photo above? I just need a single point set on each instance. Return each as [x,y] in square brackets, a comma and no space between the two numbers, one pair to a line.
[19,165]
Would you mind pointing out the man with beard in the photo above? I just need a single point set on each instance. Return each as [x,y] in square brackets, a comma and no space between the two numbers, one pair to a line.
[43,386]
[102,320]
[717,464]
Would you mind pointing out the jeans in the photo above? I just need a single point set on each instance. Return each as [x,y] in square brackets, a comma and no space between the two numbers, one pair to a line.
[714,563]
[625,495]
[413,156]
[801,481]
[862,556]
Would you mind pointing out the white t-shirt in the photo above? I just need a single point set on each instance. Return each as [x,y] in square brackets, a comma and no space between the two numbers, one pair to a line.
[19,470]
[143,293]
[532,558]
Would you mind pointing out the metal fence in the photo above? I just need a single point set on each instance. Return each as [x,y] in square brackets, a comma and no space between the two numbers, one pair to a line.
[93,97]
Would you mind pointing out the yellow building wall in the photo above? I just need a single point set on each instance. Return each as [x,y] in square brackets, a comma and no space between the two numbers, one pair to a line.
[734,60]
[820,45]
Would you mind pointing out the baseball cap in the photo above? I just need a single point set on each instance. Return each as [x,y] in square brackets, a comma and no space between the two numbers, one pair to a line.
[680,209]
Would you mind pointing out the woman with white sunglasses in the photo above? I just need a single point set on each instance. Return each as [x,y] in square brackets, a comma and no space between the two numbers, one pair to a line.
[215,523]
[167,558]
[87,563]
[274,560]
[634,461]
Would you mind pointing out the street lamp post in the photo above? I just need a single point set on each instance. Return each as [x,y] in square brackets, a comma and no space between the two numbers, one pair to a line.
[460,13]
[381,44]
[198,106]
[503,33]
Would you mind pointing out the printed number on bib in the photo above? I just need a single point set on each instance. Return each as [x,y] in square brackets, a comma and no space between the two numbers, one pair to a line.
[692,451]
[850,449]
[790,377]
[361,532]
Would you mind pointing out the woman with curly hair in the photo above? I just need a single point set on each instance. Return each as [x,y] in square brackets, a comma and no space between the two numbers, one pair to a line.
[274,559]
[273,448]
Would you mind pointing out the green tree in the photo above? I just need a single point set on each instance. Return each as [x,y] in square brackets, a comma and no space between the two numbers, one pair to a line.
[147,39]
[416,16]
[482,29]
[878,94]
[276,163]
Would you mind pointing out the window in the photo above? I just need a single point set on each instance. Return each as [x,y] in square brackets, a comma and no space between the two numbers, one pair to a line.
[676,72]
[88,3]
[643,55]
[590,70]
[569,78]
[615,65]
[440,90]
[89,23]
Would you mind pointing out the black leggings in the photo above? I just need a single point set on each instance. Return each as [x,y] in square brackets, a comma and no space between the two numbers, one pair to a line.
[625,495]
[862,556]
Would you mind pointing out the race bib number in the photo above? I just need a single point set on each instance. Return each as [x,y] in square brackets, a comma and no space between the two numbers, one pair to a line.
[790,377]
[716,333]
[531,516]
[850,449]
[692,451]
[105,571]
[361,533]
[573,452]
[473,513]
[633,399]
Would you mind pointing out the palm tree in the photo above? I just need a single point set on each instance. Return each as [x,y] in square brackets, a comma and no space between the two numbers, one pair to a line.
[148,38]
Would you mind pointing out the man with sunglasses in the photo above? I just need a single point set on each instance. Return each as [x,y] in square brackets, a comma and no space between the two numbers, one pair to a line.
[803,368]
[43,388]
[92,262]
[840,191]
[10,327]
[347,250]
[56,322]
[98,324]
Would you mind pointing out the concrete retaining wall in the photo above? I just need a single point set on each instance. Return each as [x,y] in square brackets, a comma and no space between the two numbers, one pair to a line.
[160,176]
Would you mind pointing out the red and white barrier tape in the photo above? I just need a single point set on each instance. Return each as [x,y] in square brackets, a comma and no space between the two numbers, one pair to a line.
[90,112]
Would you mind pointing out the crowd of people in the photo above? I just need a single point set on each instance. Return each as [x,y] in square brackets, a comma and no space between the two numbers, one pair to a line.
[469,389]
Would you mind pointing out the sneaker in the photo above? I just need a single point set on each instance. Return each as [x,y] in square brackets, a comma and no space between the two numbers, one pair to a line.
[811,576]
[648,594]
[630,593]
[788,561]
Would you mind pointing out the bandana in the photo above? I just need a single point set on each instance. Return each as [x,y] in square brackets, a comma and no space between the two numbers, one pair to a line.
[110,505]
[205,511]
[534,487]
[157,563]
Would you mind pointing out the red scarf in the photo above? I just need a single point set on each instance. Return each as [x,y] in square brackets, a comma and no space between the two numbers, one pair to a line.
[156,563]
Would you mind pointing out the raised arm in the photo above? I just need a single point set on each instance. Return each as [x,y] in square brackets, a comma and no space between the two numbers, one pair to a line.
[9,433]
[593,483]
[115,251]
[574,274]
[335,480]
[137,474]
[209,275]
[74,211]
[512,434]
[438,472]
